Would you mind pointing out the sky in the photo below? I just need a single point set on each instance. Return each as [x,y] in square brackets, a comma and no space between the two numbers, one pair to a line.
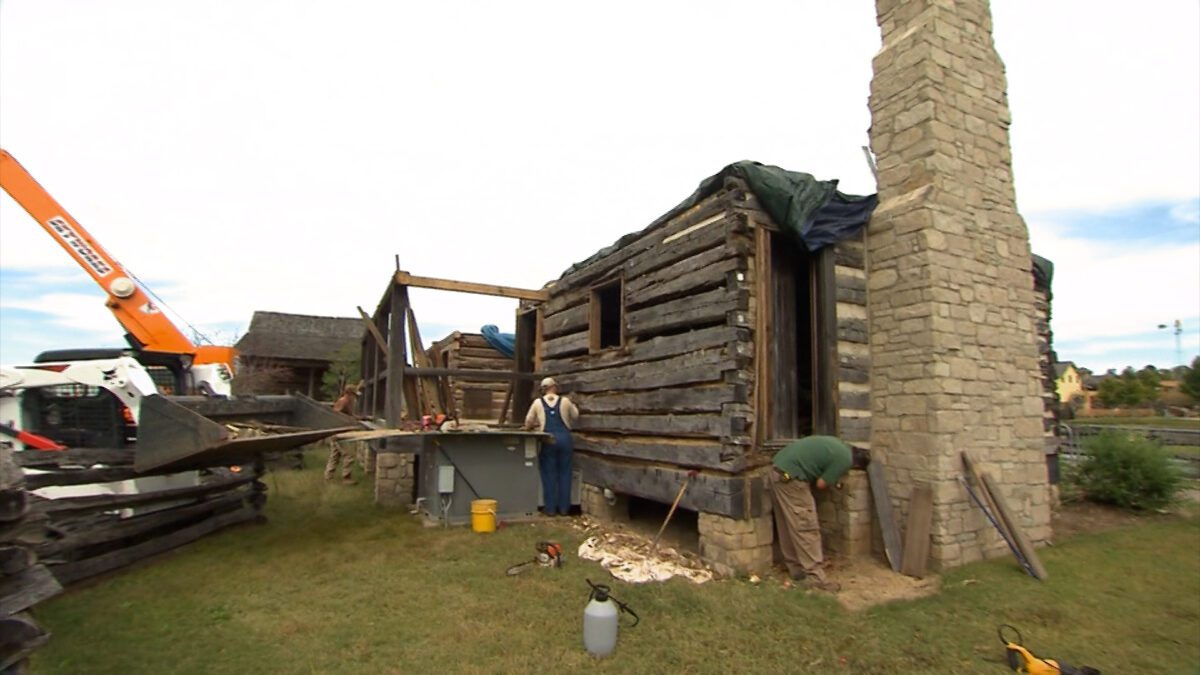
[280,155]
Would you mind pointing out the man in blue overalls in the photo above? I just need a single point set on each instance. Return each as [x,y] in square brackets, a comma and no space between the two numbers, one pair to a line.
[554,415]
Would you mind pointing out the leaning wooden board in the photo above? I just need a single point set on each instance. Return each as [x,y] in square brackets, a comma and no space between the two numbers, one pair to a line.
[885,514]
[916,531]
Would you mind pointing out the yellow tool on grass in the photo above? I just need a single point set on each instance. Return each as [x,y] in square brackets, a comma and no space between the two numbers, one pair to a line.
[1022,660]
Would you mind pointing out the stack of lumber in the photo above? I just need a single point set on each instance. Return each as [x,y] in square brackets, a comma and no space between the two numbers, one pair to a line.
[24,580]
[97,533]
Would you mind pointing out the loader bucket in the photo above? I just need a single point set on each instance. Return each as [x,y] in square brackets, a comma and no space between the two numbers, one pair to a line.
[191,432]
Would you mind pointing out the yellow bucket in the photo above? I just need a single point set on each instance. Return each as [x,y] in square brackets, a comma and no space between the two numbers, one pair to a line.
[483,515]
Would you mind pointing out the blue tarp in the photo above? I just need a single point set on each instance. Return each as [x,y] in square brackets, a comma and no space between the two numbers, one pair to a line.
[505,343]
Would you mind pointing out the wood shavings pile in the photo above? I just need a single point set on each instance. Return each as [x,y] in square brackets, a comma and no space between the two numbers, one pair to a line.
[628,557]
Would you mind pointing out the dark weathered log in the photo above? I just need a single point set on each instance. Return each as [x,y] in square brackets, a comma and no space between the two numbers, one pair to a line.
[487,352]
[737,496]
[26,589]
[566,345]
[691,454]
[20,636]
[849,254]
[694,310]
[692,368]
[79,476]
[68,573]
[120,528]
[76,457]
[704,398]
[854,429]
[700,425]
[854,400]
[113,501]
[659,347]
[605,262]
[673,282]
[687,243]
[14,504]
[567,321]
[472,374]
[14,559]
[852,330]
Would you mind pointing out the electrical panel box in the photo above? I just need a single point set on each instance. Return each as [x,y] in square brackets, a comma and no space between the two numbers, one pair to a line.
[445,479]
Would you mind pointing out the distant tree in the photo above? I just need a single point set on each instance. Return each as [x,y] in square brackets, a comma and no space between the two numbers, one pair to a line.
[1130,388]
[344,368]
[1190,380]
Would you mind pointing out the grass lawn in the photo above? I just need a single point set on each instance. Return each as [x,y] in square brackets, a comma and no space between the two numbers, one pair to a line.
[1158,422]
[333,584]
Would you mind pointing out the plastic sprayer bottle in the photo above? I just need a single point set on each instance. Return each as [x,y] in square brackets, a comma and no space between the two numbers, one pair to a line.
[600,621]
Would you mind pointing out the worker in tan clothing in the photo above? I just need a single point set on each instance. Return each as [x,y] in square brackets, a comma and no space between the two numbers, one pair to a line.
[813,462]
[344,405]
[554,415]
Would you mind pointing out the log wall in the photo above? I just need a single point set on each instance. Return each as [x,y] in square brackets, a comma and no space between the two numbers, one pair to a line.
[471,351]
[678,391]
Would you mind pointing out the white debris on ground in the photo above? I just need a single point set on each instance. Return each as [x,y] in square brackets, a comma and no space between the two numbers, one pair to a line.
[628,557]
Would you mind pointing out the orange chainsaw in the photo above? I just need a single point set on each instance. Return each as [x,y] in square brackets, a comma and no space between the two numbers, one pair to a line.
[549,554]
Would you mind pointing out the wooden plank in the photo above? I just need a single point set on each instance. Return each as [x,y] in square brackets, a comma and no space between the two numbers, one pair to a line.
[707,270]
[474,374]
[916,531]
[431,397]
[660,347]
[825,343]
[678,452]
[374,331]
[71,572]
[115,501]
[122,528]
[696,399]
[696,367]
[698,425]
[571,320]
[26,589]
[718,493]
[885,514]
[762,329]
[694,310]
[398,397]
[605,262]
[406,279]
[1010,522]
[13,559]
[974,470]
[565,345]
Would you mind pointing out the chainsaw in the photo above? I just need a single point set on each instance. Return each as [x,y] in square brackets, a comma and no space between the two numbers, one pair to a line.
[1022,660]
[549,554]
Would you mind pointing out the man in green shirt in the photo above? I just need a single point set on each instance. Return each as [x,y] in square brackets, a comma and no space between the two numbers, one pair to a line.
[814,461]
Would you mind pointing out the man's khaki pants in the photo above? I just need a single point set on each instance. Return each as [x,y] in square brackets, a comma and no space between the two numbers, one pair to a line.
[798,527]
[345,455]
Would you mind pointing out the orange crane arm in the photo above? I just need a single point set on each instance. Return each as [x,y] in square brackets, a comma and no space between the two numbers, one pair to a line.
[146,324]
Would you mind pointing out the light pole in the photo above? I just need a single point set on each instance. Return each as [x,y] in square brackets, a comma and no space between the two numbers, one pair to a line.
[1178,339]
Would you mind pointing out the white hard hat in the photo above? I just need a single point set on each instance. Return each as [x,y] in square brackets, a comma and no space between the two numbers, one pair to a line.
[549,382]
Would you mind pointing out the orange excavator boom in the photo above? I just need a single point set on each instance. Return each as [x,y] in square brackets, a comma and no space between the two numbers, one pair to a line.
[129,303]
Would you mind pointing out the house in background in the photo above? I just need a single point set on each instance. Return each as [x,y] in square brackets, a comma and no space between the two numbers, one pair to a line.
[1068,381]
[283,353]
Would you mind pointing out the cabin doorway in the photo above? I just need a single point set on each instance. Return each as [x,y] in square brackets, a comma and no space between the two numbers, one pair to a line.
[801,339]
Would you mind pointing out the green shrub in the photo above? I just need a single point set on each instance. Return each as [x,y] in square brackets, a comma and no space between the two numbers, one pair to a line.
[1126,470]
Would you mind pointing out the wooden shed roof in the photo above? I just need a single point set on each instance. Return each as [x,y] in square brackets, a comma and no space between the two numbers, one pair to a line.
[298,336]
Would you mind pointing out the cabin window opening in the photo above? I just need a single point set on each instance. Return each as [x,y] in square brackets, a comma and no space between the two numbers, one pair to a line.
[607,316]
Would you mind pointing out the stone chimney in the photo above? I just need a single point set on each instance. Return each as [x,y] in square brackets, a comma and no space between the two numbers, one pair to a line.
[950,289]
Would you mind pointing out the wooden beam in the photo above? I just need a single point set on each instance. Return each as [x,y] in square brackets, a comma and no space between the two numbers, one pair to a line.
[473,374]
[406,279]
[430,393]
[374,331]
[397,358]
